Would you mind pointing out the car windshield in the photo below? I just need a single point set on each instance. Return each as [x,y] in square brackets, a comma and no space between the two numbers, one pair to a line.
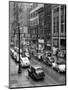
[39,70]
[25,59]
[52,60]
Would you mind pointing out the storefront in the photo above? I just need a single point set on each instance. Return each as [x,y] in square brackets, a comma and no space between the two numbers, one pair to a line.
[63,44]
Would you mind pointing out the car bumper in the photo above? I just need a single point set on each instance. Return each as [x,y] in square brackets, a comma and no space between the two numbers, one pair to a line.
[25,65]
[62,71]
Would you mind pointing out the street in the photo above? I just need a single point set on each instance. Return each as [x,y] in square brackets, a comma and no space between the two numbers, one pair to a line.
[37,37]
[23,80]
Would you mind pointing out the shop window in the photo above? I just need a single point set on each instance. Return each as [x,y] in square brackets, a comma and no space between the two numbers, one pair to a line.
[56,10]
[63,44]
[56,24]
[56,42]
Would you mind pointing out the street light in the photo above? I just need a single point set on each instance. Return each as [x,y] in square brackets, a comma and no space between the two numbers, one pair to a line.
[19,69]
[18,25]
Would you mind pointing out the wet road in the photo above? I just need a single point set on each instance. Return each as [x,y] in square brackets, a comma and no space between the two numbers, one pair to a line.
[23,80]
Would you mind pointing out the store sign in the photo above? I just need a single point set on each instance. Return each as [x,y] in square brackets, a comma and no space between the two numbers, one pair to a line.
[40,40]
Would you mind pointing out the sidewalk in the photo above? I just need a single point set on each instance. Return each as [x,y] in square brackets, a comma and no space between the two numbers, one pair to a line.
[18,80]
[13,74]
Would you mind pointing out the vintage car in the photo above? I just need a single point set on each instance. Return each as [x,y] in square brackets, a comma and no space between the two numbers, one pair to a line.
[49,60]
[17,50]
[27,54]
[60,66]
[24,61]
[36,72]
[11,52]
[14,54]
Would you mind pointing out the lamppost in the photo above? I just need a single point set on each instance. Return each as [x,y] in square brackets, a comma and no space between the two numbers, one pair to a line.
[18,25]
[19,69]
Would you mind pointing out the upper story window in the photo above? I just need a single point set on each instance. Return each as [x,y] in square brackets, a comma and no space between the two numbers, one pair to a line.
[34,14]
[56,10]
[34,5]
[56,24]
[62,18]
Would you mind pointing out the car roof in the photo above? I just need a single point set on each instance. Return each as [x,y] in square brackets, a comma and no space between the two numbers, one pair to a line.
[36,66]
[23,58]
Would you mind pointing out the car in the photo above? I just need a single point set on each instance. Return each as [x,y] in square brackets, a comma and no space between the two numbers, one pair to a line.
[36,72]
[54,50]
[46,57]
[24,61]
[55,66]
[49,61]
[48,46]
[11,52]
[27,54]
[14,55]
[48,53]
[59,66]
[61,54]
[17,50]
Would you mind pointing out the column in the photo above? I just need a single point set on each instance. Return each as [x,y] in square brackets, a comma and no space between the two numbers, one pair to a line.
[52,27]
[59,24]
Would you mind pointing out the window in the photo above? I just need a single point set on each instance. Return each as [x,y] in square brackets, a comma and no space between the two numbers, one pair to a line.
[62,28]
[62,10]
[56,24]
[63,44]
[56,42]
[62,19]
[56,10]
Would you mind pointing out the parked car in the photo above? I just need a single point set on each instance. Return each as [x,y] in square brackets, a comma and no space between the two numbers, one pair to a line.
[14,54]
[60,66]
[48,53]
[17,50]
[11,52]
[48,47]
[36,72]
[24,61]
[61,54]
[54,50]
[27,54]
[16,57]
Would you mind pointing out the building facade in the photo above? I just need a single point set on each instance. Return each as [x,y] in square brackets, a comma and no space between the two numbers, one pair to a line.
[34,21]
[47,22]
[59,26]
[19,14]
[41,23]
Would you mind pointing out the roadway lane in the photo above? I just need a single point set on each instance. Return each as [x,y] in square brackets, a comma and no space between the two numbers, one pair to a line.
[23,80]
[53,75]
